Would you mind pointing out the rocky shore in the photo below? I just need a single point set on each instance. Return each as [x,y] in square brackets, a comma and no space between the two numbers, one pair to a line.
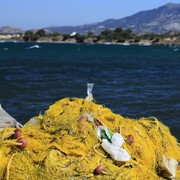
[11,37]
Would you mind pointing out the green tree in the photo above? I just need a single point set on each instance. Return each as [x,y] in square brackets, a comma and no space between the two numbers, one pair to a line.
[66,37]
[28,35]
[107,35]
[56,34]
[118,30]
[41,33]
[35,37]
[121,34]
[90,34]
[118,35]
[79,38]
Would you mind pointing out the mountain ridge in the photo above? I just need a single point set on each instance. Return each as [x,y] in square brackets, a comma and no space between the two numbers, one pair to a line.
[159,20]
[10,30]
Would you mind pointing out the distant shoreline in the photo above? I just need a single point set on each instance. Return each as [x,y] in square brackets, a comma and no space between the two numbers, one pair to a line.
[145,42]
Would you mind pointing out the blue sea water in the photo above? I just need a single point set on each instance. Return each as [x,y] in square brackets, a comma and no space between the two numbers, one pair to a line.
[134,81]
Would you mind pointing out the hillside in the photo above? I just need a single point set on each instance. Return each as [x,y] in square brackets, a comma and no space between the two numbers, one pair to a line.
[161,20]
[10,30]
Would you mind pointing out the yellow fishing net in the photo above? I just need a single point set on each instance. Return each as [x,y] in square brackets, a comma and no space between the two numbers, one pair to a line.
[62,143]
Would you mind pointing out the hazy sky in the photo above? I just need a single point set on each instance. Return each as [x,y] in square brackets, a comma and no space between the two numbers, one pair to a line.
[27,14]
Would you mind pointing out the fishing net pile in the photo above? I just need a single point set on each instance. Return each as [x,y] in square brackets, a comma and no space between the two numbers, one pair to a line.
[63,143]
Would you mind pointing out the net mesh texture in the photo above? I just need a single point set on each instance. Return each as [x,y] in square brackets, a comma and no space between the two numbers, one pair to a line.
[62,143]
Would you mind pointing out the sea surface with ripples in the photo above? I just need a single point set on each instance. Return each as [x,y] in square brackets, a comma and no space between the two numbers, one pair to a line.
[134,81]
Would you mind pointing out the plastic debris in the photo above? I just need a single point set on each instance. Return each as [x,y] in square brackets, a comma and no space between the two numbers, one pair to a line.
[168,168]
[112,144]
[117,153]
[89,91]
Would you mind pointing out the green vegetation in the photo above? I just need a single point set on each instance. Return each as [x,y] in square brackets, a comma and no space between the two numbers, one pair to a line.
[34,36]
[117,35]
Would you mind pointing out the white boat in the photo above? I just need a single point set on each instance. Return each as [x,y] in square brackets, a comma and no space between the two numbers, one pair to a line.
[6,120]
